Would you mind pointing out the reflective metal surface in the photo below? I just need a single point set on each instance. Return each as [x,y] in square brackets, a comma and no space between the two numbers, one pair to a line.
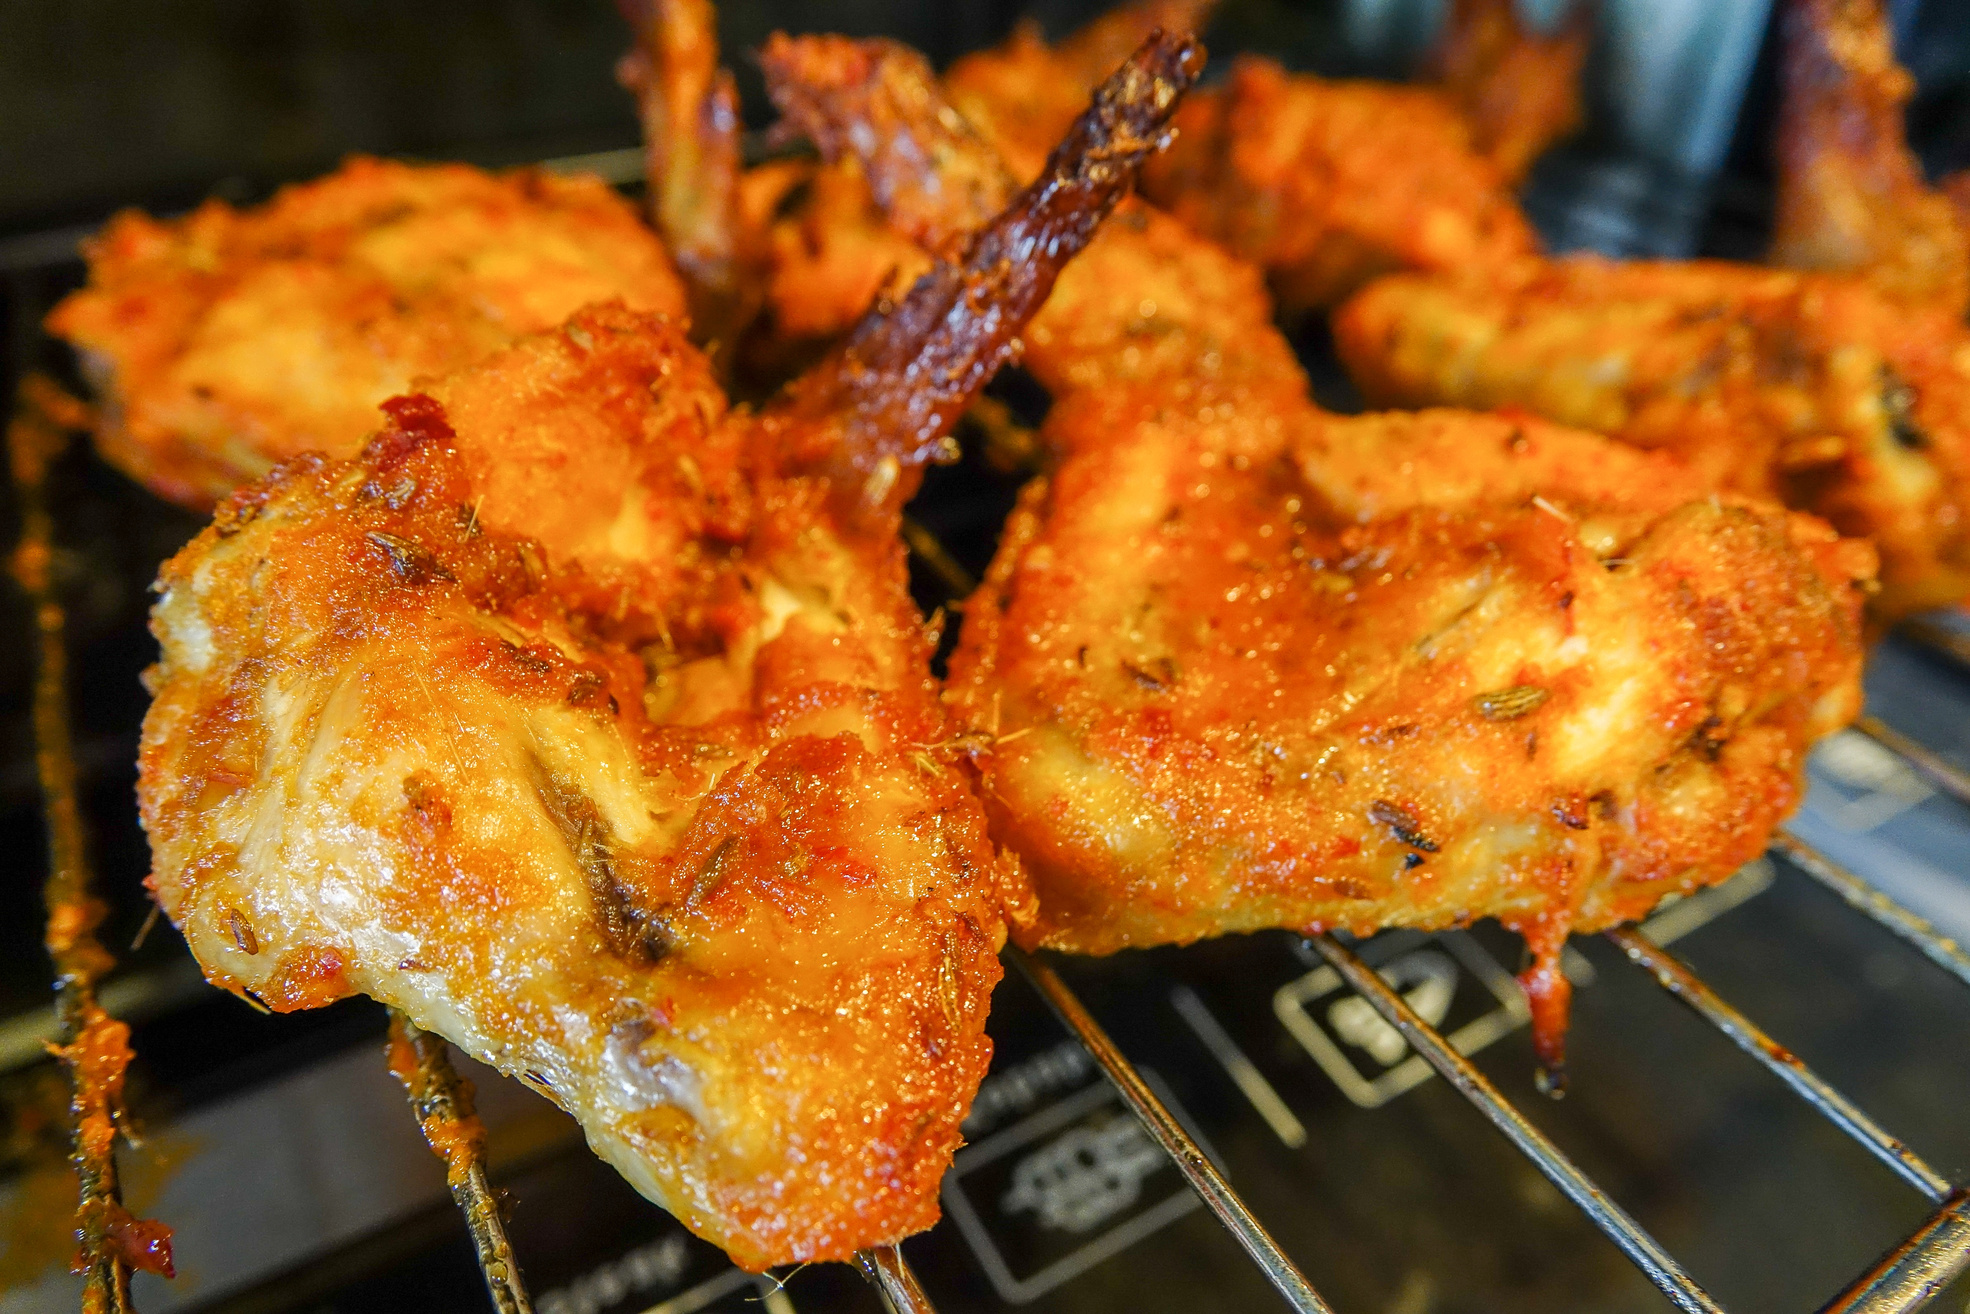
[1460,1072]
[1204,1176]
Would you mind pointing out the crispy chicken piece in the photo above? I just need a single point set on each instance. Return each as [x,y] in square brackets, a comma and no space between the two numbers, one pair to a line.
[1519,91]
[230,340]
[1243,664]
[1248,665]
[692,163]
[834,251]
[588,722]
[1810,388]
[1851,196]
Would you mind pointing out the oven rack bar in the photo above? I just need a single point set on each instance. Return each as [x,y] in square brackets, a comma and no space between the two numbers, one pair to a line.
[92,1047]
[1641,1248]
[1932,767]
[1859,894]
[894,1280]
[1673,975]
[442,1102]
[1915,1272]
[1162,1123]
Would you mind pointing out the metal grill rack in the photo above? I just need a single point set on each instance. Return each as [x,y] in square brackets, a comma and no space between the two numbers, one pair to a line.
[1904,1279]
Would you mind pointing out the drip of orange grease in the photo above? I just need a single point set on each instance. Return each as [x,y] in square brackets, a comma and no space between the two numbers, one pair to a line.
[441,1099]
[142,1243]
[1551,996]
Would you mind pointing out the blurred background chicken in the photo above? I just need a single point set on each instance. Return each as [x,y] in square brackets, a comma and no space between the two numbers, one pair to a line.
[1843,393]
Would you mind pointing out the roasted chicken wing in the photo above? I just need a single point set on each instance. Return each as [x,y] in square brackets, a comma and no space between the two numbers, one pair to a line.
[693,169]
[230,340]
[1811,388]
[1322,183]
[1851,195]
[588,721]
[1240,663]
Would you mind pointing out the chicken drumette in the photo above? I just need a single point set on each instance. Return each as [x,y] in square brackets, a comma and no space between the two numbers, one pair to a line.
[588,721]
[1240,663]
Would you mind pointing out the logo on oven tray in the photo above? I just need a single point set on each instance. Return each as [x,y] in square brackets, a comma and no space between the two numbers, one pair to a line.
[1084,1176]
[1426,978]
[1858,785]
[1065,1187]
[1367,1058]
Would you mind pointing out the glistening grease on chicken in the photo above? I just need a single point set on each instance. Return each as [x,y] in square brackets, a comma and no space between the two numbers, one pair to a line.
[588,721]
[230,340]
[1243,664]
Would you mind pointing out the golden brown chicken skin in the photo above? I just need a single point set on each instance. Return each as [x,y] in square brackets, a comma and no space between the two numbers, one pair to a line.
[588,721]
[1240,663]
[227,341]
[1851,195]
[1814,389]
[1326,184]
[650,828]
[1246,665]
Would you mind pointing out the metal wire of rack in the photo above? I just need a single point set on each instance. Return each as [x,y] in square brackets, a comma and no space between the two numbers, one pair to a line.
[1904,1279]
